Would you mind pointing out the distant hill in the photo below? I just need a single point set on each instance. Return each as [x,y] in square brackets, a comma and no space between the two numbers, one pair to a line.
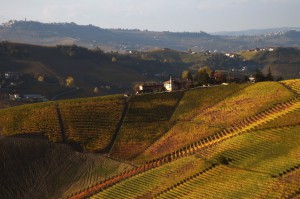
[110,72]
[257,32]
[45,69]
[284,62]
[127,40]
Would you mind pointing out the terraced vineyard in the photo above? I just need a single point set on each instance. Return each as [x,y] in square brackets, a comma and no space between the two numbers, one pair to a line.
[246,102]
[36,119]
[147,119]
[253,166]
[240,163]
[293,84]
[196,101]
[95,170]
[236,141]
[33,167]
[290,119]
[214,171]
[149,183]
[240,129]
[92,122]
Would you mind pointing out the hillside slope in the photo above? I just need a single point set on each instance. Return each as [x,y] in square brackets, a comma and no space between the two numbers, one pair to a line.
[111,73]
[284,62]
[32,167]
[219,115]
[124,40]
[198,142]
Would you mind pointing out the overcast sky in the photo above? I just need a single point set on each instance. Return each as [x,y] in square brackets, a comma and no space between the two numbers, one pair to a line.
[159,15]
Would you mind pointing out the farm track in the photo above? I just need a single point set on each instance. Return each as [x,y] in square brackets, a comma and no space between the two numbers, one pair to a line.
[115,135]
[242,127]
[61,124]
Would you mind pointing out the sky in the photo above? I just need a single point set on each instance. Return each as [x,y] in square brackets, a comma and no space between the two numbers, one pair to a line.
[159,15]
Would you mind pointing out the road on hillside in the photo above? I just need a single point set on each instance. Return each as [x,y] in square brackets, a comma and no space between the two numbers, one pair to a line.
[65,93]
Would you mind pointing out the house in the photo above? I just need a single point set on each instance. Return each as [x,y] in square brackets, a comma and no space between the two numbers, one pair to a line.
[171,85]
[230,55]
[150,88]
[12,75]
[252,79]
[14,96]
[271,49]
[34,98]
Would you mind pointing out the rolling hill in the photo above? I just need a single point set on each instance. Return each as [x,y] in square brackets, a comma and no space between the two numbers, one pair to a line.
[44,70]
[51,34]
[110,72]
[233,141]
[283,62]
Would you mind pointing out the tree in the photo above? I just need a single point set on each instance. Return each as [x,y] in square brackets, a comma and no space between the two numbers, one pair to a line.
[221,61]
[218,77]
[259,76]
[186,75]
[98,50]
[40,78]
[70,82]
[203,76]
[280,78]
[114,59]
[269,76]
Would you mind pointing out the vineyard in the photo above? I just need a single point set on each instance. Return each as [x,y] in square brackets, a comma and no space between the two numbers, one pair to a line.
[147,119]
[244,103]
[33,167]
[235,141]
[242,159]
[206,98]
[91,123]
[28,119]
[293,84]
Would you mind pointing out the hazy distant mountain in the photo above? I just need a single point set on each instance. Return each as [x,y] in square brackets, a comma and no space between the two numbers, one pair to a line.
[128,40]
[257,32]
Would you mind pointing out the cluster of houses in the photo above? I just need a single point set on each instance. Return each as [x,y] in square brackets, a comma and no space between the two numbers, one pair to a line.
[262,49]
[167,86]
[27,97]
[22,98]
[10,79]
[8,83]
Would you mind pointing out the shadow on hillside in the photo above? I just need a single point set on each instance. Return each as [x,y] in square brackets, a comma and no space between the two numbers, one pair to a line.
[75,146]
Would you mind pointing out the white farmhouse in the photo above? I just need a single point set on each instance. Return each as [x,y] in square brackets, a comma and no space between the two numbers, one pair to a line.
[169,85]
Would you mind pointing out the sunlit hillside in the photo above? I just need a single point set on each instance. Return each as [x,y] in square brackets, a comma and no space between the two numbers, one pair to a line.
[226,141]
